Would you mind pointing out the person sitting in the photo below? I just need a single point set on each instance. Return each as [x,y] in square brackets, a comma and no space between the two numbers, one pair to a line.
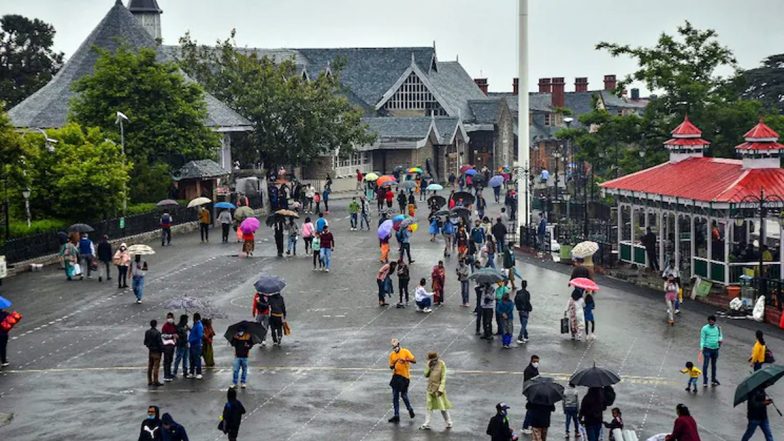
[423,299]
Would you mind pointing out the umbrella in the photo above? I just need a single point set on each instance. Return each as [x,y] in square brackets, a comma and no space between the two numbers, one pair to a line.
[594,377]
[442,213]
[371,176]
[193,304]
[768,375]
[407,185]
[487,275]
[463,168]
[273,219]
[385,229]
[228,205]
[471,172]
[585,249]
[405,223]
[4,303]
[167,203]
[256,330]
[584,283]
[80,228]
[398,218]
[287,213]
[140,250]
[384,179]
[415,170]
[198,201]
[543,391]
[467,197]
[243,212]
[434,187]
[250,225]
[460,211]
[496,181]
[436,200]
[268,284]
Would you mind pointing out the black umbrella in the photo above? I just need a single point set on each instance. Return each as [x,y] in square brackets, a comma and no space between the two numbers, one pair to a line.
[467,197]
[273,219]
[80,228]
[436,201]
[463,212]
[255,330]
[543,391]
[442,213]
[595,377]
[766,377]
[268,284]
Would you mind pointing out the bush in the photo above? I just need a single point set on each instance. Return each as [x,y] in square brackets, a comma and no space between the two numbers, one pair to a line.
[19,229]
[141,208]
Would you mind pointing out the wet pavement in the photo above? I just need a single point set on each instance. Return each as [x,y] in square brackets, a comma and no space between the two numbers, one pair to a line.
[78,366]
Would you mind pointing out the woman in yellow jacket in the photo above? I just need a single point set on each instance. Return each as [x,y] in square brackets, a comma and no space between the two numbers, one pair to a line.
[758,352]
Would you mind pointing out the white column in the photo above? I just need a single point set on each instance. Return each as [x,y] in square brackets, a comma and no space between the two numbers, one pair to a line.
[619,233]
[523,149]
[677,243]
[691,244]
[662,235]
[781,251]
[709,236]
[727,239]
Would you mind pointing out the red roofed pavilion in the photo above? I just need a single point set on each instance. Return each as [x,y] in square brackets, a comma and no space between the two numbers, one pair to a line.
[704,211]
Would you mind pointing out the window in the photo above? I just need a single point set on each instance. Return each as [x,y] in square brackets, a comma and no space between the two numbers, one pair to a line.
[548,119]
[414,95]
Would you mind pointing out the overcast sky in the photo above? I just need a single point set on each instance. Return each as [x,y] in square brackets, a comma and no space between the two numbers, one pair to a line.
[481,32]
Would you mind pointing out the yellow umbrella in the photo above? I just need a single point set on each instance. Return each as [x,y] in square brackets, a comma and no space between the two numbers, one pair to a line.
[371,176]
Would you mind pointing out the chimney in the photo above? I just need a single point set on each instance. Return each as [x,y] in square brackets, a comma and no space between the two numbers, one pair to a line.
[558,87]
[635,94]
[581,84]
[545,85]
[482,83]
[610,83]
[515,86]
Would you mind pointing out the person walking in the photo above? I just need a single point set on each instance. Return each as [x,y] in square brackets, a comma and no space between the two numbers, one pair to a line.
[310,194]
[293,233]
[487,308]
[403,279]
[523,305]
[499,232]
[422,298]
[86,255]
[308,231]
[710,342]
[381,195]
[171,430]
[277,317]
[166,222]
[648,240]
[154,343]
[591,413]
[540,420]
[694,374]
[402,201]
[122,259]
[317,202]
[195,338]
[104,253]
[685,428]
[151,426]
[404,237]
[757,414]
[571,407]
[353,211]
[327,247]
[207,352]
[462,278]
[498,427]
[360,180]
[169,340]
[231,418]
[438,277]
[400,360]
[261,313]
[69,253]
[321,222]
[364,213]
[383,244]
[224,218]
[384,282]
[204,224]
[435,397]
[576,315]
[530,372]
[477,235]
[670,297]
[757,352]
[279,227]
[325,198]
[181,347]
[315,249]
[505,311]
[138,272]
[242,343]
[248,242]
[490,250]
[448,233]
[590,322]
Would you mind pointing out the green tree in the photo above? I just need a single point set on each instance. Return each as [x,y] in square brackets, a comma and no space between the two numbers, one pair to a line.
[167,113]
[295,120]
[766,83]
[27,61]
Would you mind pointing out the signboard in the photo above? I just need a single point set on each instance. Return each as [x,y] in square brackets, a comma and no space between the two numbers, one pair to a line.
[3,270]
[122,223]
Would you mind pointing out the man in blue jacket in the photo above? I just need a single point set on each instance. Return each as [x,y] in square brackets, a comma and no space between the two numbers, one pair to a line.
[172,431]
[195,341]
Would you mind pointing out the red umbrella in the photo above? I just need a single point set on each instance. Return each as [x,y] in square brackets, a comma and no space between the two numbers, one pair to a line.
[584,283]
[384,179]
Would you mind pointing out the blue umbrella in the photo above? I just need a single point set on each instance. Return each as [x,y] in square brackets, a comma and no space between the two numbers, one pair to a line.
[4,303]
[268,284]
[228,205]
[496,181]
[470,172]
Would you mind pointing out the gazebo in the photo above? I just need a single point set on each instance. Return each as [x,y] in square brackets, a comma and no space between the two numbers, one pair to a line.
[715,218]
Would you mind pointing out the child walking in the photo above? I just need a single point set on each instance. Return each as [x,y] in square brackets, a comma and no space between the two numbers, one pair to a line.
[315,247]
[694,374]
[615,424]
[590,325]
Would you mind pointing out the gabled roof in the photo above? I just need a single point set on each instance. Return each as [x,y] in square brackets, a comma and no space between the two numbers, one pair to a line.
[48,107]
[201,169]
[144,6]
[448,127]
[455,87]
[413,68]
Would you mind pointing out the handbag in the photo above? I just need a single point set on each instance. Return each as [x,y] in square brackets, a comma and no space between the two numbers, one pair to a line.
[565,325]
[769,358]
[286,328]
[77,269]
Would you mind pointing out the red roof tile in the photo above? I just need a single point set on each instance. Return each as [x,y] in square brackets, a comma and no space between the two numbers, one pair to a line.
[759,146]
[686,130]
[761,132]
[687,142]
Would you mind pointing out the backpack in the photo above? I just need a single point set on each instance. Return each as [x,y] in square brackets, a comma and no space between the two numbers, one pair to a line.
[769,356]
[609,396]
[166,220]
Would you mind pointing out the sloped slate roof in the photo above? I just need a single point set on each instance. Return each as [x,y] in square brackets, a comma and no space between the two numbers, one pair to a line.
[446,127]
[537,101]
[485,111]
[201,169]
[456,87]
[399,127]
[48,107]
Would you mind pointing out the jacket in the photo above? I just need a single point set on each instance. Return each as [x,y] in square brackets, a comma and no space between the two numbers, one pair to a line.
[353,207]
[592,407]
[105,251]
[182,336]
[308,229]
[571,399]
[522,301]
[242,345]
[169,334]
[153,341]
[505,308]
[224,217]
[711,337]
[196,334]
[232,416]
[122,258]
[204,216]
[756,409]
[175,432]
[462,273]
[499,231]
[539,414]
[277,305]
[498,428]
[151,430]
[757,353]
[530,372]
[685,429]
[85,247]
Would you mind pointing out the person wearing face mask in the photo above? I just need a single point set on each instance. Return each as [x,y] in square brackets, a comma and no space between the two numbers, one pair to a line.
[400,360]
[172,431]
[498,427]
[122,260]
[169,337]
[151,426]
[531,371]
[242,343]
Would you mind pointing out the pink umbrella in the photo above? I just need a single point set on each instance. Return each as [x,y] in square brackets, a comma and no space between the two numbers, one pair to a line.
[584,283]
[250,225]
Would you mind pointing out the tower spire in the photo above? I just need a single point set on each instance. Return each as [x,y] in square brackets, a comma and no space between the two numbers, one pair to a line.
[149,15]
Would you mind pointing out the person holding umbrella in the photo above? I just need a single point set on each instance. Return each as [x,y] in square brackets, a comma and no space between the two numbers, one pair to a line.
[277,317]
[542,394]
[592,413]
[224,218]
[242,343]
[166,224]
[138,272]
[753,390]
[204,224]
[5,329]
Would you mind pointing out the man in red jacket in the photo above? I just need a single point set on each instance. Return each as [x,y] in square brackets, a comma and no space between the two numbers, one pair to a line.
[327,247]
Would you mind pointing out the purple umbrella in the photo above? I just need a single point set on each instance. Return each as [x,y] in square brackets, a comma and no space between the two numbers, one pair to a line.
[470,172]
[385,229]
[250,225]
[496,181]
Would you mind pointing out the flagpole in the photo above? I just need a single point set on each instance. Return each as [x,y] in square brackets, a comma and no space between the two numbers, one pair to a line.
[523,150]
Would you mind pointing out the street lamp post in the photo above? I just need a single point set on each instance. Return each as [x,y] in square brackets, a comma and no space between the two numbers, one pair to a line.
[120,118]
[26,196]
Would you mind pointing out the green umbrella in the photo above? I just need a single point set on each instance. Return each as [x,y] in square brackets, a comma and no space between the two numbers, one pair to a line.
[243,212]
[768,375]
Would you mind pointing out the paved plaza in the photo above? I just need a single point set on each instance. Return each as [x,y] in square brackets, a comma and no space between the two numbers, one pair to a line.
[78,365]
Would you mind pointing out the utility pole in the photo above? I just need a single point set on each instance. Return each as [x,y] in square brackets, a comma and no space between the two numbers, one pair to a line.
[523,149]
[120,118]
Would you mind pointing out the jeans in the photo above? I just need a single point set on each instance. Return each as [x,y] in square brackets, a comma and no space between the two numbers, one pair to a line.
[709,357]
[523,325]
[195,355]
[326,256]
[168,357]
[276,328]
[571,415]
[464,291]
[364,221]
[405,248]
[424,303]
[86,260]
[487,322]
[138,287]
[122,276]
[239,363]
[180,354]
[104,269]
[752,427]
[491,260]
[692,383]
[397,393]
[204,230]
[593,431]
[353,220]
[165,236]
[225,232]
[402,285]
[292,247]
[382,290]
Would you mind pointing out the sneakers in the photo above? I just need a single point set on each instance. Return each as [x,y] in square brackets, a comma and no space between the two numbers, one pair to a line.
[427,310]
[264,343]
[715,383]
[424,427]
[521,340]
[567,435]
[526,431]
[243,385]
[448,424]
[167,380]
[138,301]
[394,419]
[4,364]
[411,413]
[233,386]
[199,377]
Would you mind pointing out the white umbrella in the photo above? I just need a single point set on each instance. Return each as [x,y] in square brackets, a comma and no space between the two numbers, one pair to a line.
[585,249]
[198,201]
[140,250]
